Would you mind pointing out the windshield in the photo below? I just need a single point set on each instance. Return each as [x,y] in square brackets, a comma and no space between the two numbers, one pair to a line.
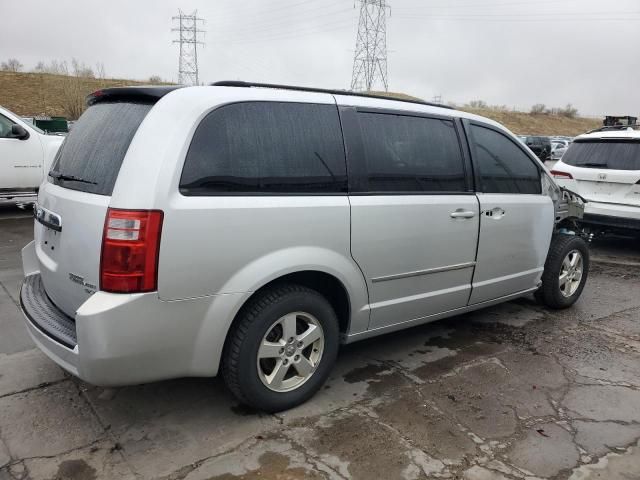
[91,155]
[610,154]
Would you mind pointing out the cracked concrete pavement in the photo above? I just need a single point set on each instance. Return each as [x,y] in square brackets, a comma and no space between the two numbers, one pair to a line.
[510,392]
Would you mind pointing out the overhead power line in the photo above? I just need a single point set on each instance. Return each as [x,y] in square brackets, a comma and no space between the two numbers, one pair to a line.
[294,33]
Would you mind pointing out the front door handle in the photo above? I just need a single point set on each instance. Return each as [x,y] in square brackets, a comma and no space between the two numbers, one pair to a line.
[462,213]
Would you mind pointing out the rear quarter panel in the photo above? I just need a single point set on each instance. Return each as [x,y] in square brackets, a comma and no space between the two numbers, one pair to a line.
[222,245]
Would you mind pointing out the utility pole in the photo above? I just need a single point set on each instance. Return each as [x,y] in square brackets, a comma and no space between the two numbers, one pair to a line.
[370,59]
[188,38]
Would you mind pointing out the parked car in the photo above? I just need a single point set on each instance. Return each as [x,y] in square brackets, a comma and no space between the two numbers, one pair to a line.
[565,139]
[26,152]
[558,149]
[251,242]
[541,146]
[604,167]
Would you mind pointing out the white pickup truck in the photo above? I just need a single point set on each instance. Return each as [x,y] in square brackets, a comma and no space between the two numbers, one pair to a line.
[26,153]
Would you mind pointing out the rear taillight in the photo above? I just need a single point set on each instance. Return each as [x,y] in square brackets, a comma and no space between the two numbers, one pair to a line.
[559,174]
[130,248]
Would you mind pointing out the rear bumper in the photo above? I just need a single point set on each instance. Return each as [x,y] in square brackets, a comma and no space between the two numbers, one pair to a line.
[611,222]
[129,339]
[612,215]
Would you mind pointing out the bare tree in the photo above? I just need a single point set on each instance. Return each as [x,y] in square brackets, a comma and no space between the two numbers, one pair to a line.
[11,65]
[72,87]
[100,72]
[155,79]
[82,70]
[539,109]
[477,105]
[40,67]
[569,111]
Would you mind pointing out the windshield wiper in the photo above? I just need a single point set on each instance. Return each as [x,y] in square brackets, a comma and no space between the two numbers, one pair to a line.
[71,178]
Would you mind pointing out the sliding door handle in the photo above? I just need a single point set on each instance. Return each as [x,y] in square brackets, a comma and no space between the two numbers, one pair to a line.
[462,213]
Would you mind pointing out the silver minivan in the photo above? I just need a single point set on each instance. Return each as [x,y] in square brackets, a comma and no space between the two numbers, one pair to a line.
[251,229]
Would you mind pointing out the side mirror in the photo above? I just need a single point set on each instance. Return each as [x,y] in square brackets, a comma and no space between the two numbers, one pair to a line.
[19,132]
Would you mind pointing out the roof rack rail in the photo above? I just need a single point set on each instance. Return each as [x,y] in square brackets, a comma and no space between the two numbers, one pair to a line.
[613,128]
[238,83]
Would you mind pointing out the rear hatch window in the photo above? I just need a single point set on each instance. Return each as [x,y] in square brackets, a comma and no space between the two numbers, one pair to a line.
[610,154]
[91,155]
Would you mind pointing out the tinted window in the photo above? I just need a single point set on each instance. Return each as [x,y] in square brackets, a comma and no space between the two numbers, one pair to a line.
[411,154]
[503,166]
[266,147]
[94,149]
[614,155]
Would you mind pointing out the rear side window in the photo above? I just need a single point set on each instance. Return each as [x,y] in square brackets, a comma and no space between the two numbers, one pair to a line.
[91,155]
[266,147]
[411,154]
[613,155]
[502,166]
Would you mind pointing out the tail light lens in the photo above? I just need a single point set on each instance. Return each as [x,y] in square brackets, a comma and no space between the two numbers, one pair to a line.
[559,174]
[130,249]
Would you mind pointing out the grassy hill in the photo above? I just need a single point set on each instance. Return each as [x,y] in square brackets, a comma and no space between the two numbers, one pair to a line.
[522,123]
[528,124]
[31,94]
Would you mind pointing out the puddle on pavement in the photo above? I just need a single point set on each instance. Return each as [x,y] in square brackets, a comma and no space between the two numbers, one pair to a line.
[352,439]
[380,379]
[273,466]
[363,374]
[75,470]
[244,411]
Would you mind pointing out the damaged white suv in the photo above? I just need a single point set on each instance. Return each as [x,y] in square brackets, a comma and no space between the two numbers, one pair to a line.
[251,229]
[603,166]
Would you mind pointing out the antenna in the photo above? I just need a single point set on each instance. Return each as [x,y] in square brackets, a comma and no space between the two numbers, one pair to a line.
[188,38]
[370,59]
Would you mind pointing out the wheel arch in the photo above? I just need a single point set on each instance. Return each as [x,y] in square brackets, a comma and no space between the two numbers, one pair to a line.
[333,275]
[329,286]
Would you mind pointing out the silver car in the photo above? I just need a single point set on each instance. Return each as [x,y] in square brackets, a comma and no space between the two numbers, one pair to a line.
[251,231]
[558,149]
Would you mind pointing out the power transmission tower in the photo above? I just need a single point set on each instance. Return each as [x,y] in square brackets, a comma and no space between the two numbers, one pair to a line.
[188,38]
[370,59]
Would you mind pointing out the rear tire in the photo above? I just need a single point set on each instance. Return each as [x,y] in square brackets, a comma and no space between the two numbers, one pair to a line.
[565,272]
[281,348]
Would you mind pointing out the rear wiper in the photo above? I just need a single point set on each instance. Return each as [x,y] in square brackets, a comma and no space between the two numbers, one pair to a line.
[71,178]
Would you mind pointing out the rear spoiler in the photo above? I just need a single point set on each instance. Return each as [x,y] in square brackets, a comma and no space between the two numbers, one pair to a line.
[143,94]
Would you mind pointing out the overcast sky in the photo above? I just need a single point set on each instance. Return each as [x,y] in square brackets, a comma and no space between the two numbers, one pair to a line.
[512,52]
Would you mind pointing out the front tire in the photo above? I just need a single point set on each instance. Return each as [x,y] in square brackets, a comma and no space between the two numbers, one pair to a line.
[281,348]
[565,272]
